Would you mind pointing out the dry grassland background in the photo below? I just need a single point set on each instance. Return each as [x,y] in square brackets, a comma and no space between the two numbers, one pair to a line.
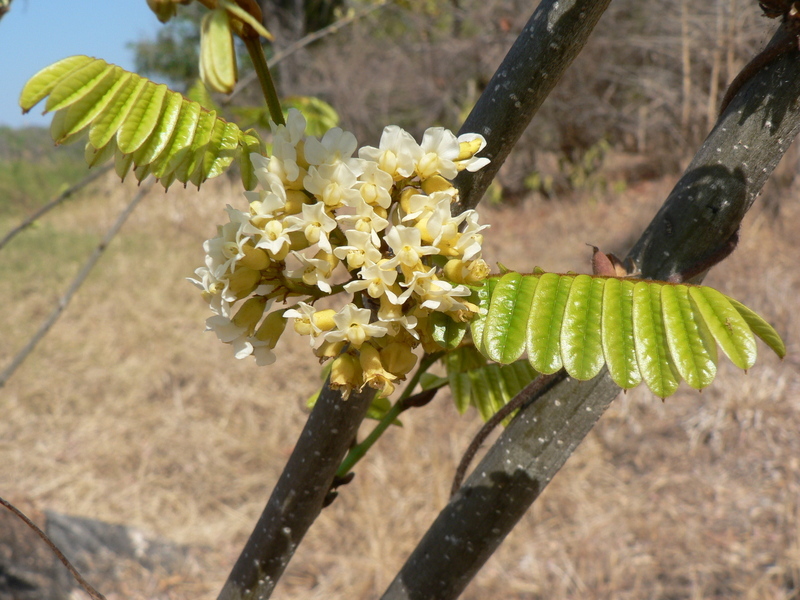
[130,413]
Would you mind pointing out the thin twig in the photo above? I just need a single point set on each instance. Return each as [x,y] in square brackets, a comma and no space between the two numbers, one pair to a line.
[76,283]
[302,43]
[63,196]
[78,577]
[531,393]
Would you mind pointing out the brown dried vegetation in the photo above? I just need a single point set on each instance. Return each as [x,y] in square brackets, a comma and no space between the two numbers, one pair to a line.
[129,413]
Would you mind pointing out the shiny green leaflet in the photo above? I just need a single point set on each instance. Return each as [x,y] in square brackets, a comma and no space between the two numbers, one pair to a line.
[142,125]
[641,330]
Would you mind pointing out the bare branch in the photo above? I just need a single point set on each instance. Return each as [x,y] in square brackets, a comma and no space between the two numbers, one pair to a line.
[62,197]
[76,284]
[60,555]
[698,219]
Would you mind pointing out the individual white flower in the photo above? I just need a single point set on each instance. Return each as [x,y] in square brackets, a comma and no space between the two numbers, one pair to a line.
[469,242]
[262,352]
[285,138]
[275,239]
[315,223]
[439,151]
[225,329]
[468,142]
[226,248]
[352,325]
[376,278]
[406,243]
[312,271]
[206,281]
[365,219]
[266,205]
[242,347]
[415,284]
[374,185]
[396,154]
[336,146]
[294,130]
[303,317]
[440,295]
[418,206]
[392,314]
[360,249]
[332,184]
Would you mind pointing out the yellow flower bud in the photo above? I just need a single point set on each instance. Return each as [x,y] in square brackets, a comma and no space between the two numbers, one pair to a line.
[388,162]
[243,281]
[346,373]
[374,374]
[468,149]
[437,183]
[405,195]
[164,9]
[254,258]
[250,313]
[422,225]
[398,358]
[295,199]
[297,241]
[272,328]
[324,319]
[329,349]
[454,270]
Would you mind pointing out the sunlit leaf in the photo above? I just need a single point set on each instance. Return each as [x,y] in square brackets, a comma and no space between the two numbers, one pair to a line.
[143,125]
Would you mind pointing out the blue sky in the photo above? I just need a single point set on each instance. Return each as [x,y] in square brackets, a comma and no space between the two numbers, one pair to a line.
[36,33]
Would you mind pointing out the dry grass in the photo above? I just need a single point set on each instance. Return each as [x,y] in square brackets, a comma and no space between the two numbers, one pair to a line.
[128,412]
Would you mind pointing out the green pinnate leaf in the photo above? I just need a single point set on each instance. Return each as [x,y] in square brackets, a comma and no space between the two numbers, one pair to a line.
[461,390]
[543,330]
[652,351]
[481,393]
[82,112]
[691,345]
[504,334]
[79,83]
[483,295]
[220,151]
[617,332]
[105,126]
[761,328]
[650,330]
[197,149]
[142,119]
[143,125]
[162,132]
[42,83]
[581,332]
[445,331]
[726,324]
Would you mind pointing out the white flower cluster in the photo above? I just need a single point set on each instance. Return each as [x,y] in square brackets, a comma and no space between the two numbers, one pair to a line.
[377,226]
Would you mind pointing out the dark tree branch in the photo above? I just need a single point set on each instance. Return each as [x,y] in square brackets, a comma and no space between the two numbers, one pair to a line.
[697,221]
[558,29]
[299,495]
[554,35]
